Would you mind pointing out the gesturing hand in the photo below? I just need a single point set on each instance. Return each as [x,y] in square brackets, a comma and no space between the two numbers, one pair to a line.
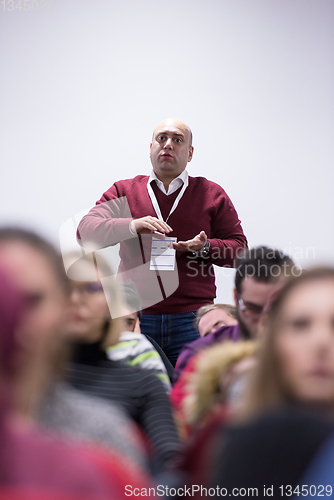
[197,243]
[150,225]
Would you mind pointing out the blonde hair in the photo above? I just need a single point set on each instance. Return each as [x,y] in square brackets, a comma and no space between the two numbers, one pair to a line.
[204,384]
[228,308]
[267,389]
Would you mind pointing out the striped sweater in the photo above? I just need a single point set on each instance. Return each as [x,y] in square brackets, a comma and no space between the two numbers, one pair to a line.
[135,350]
[138,391]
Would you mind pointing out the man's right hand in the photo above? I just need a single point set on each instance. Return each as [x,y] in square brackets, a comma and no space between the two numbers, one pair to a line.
[149,225]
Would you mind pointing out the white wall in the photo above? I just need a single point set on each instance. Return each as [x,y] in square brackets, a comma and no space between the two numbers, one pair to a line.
[83,85]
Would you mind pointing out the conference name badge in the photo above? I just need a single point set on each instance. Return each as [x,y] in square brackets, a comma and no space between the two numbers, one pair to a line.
[162,254]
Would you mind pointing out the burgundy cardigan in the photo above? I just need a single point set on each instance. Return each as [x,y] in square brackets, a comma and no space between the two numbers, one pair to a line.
[204,207]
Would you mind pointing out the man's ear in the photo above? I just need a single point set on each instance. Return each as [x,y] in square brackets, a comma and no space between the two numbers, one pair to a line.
[190,153]
[235,295]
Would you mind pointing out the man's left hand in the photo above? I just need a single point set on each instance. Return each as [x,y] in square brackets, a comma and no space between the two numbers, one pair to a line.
[197,243]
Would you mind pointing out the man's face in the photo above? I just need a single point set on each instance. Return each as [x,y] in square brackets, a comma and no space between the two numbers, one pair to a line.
[170,149]
[250,303]
[214,319]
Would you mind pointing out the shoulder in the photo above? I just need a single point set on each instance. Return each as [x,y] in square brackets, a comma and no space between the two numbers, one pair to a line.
[139,180]
[206,185]
[129,336]
[122,187]
[129,373]
[130,345]
[199,344]
[70,407]
[189,350]
[231,332]
[85,404]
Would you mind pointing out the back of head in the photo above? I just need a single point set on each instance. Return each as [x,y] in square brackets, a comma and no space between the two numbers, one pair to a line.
[131,297]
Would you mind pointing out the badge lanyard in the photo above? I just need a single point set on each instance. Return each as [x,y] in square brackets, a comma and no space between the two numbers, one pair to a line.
[175,204]
[162,255]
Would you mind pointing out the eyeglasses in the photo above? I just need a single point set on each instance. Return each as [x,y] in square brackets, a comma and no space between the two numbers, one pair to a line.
[86,289]
[249,308]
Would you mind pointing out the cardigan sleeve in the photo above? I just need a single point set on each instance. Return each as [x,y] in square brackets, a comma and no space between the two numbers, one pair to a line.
[107,223]
[227,239]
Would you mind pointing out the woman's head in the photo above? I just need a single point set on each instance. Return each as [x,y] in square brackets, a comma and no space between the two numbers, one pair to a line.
[297,357]
[213,316]
[36,270]
[92,304]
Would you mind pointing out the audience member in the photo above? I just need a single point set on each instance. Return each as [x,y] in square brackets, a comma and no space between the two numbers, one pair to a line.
[138,391]
[42,396]
[218,380]
[134,348]
[213,316]
[297,359]
[259,272]
[209,233]
[35,464]
[134,302]
[288,412]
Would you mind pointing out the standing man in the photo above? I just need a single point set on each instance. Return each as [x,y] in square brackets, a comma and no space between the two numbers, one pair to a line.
[171,228]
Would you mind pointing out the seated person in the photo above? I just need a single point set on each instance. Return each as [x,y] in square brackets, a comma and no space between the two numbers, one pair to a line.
[213,316]
[287,416]
[134,348]
[35,462]
[259,272]
[43,395]
[218,383]
[92,330]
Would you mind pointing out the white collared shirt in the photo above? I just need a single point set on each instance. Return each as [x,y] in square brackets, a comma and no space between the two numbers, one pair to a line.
[173,186]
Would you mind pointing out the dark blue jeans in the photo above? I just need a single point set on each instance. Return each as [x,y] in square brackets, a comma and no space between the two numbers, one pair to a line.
[170,331]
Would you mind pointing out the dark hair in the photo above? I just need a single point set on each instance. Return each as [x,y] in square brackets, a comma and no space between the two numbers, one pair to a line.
[131,297]
[20,235]
[263,263]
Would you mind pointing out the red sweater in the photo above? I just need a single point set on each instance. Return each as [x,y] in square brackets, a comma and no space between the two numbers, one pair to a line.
[204,206]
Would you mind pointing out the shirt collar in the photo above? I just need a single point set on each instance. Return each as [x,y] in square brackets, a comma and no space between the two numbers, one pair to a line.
[181,177]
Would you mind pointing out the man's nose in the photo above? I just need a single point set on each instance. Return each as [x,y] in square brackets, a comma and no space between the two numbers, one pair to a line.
[168,143]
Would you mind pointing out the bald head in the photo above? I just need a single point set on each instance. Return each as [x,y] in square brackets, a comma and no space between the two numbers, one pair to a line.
[174,122]
[171,149]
